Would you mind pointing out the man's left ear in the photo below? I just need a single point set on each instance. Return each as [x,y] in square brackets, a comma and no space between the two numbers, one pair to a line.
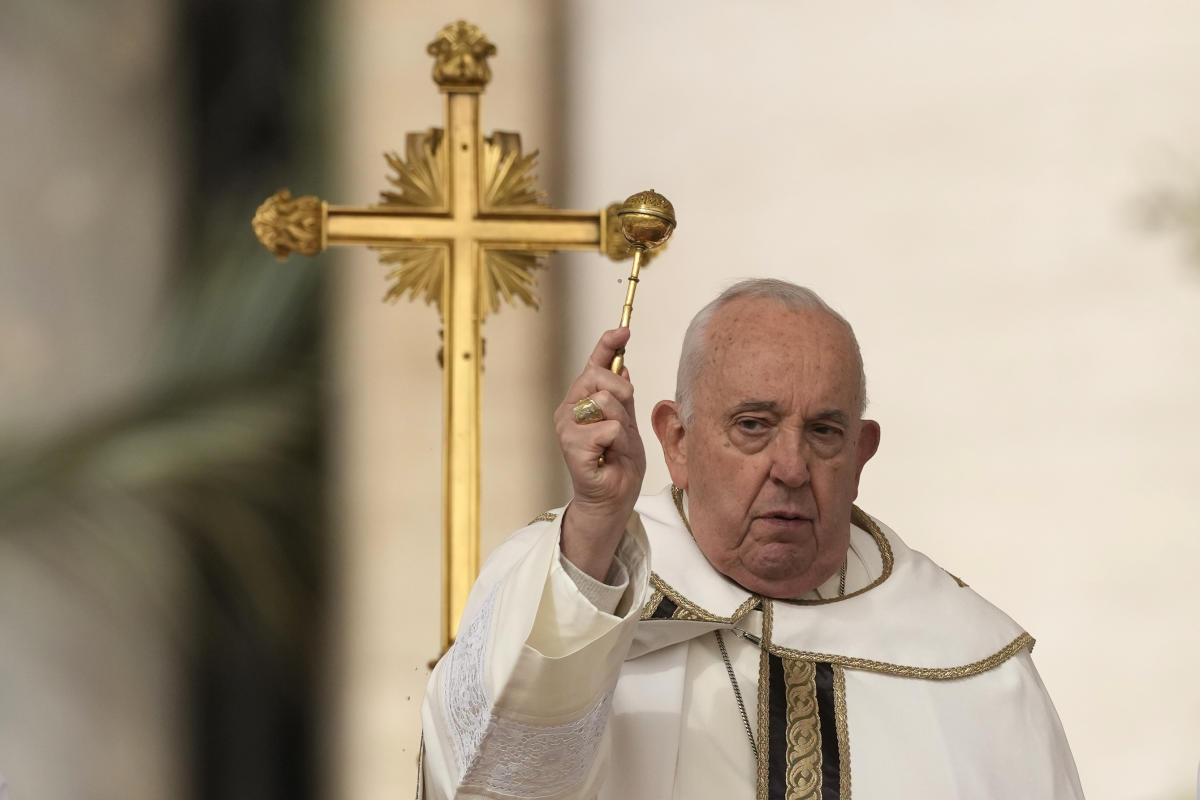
[868,443]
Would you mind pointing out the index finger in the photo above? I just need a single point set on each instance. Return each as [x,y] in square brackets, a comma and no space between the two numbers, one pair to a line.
[606,349]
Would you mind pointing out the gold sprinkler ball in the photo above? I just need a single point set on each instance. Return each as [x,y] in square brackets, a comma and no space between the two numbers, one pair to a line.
[647,219]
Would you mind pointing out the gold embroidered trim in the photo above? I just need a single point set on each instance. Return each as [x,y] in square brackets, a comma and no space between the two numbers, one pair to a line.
[857,517]
[421,769]
[691,611]
[688,614]
[864,521]
[764,706]
[651,605]
[843,732]
[802,770]
[686,609]
[677,496]
[957,579]
[545,516]
[899,670]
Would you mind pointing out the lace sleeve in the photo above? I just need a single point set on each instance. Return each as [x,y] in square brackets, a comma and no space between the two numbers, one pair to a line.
[502,755]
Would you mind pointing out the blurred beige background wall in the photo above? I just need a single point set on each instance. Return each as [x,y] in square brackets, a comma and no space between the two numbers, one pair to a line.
[160,480]
[71,633]
[960,181]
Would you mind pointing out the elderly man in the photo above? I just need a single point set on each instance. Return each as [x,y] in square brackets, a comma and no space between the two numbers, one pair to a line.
[748,632]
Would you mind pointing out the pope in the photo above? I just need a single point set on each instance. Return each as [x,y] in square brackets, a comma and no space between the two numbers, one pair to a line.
[748,632]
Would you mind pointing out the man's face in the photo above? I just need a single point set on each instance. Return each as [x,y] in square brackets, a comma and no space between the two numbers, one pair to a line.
[772,455]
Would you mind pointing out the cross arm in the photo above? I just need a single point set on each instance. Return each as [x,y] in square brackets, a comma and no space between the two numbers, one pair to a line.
[308,225]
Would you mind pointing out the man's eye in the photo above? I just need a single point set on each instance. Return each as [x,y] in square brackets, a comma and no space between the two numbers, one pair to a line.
[826,431]
[750,425]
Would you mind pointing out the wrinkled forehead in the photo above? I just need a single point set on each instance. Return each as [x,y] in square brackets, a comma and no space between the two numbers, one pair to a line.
[759,349]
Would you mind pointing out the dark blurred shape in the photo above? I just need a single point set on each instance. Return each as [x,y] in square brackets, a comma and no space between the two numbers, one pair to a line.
[253,77]
[192,499]
[1175,209]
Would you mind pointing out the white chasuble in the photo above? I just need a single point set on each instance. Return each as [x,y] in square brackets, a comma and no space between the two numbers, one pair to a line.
[909,685]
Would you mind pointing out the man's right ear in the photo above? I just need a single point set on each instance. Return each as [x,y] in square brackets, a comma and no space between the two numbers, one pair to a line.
[668,427]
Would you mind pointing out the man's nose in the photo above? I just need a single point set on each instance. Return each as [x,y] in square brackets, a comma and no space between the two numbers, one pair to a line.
[789,462]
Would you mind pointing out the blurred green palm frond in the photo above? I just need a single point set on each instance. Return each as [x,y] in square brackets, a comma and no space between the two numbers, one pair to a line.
[220,444]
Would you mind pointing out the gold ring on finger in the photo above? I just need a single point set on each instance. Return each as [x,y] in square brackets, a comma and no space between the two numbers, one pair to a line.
[586,411]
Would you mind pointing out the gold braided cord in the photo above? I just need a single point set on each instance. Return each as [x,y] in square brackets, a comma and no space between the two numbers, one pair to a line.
[688,610]
[961,583]
[688,614]
[545,516]
[864,521]
[764,706]
[926,673]
[421,769]
[651,605]
[677,496]
[843,732]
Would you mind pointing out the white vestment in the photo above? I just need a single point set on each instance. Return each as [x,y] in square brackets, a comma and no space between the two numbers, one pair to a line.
[910,686]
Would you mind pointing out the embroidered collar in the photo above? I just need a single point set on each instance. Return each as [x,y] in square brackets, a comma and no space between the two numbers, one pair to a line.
[858,518]
[912,619]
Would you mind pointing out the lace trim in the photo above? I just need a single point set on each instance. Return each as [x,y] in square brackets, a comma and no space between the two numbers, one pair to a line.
[466,701]
[505,756]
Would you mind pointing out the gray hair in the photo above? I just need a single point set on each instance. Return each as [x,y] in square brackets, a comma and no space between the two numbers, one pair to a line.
[786,294]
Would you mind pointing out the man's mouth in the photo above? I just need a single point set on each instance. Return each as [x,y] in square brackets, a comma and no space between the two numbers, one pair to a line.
[784,516]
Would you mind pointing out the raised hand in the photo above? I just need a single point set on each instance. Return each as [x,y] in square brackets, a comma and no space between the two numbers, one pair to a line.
[605,458]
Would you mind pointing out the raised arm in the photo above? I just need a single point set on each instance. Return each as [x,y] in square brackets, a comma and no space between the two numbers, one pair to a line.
[519,706]
[605,458]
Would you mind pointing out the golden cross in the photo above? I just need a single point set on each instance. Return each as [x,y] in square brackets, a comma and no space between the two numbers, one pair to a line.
[464,227]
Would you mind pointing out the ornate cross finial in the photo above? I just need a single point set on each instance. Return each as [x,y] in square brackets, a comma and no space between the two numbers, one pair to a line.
[461,52]
[286,224]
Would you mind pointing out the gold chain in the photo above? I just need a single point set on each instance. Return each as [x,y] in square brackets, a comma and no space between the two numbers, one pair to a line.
[737,693]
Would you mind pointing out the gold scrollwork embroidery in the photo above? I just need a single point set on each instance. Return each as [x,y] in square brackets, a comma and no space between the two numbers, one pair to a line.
[803,733]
